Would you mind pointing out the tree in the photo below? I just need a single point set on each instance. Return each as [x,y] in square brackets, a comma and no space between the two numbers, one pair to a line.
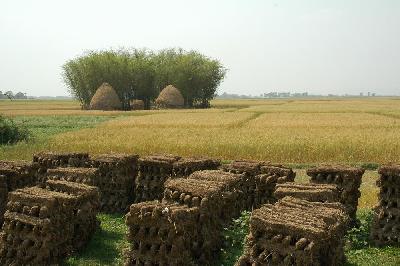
[9,95]
[195,75]
[142,74]
[20,95]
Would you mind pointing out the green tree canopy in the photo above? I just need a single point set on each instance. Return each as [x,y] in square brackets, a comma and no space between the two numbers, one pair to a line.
[142,74]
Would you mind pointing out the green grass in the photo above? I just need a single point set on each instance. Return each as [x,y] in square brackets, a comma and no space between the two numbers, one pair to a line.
[107,245]
[388,256]
[41,129]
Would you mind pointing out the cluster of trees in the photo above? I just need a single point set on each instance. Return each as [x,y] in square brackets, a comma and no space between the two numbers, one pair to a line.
[142,74]
[11,132]
[10,95]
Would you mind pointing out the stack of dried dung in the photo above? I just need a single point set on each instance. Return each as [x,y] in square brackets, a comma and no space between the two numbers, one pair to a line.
[48,160]
[263,177]
[116,181]
[43,225]
[87,176]
[348,181]
[3,197]
[386,224]
[310,192]
[19,174]
[14,175]
[234,186]
[153,172]
[162,234]
[218,196]
[185,166]
[249,167]
[284,174]
[251,170]
[296,232]
[222,191]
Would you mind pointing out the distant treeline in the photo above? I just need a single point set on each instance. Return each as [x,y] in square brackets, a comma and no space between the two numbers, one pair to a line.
[142,74]
[10,95]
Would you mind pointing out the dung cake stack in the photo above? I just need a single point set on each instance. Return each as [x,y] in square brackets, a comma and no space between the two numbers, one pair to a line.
[3,197]
[251,169]
[185,166]
[386,224]
[263,177]
[310,192]
[116,180]
[186,227]
[270,175]
[15,175]
[296,232]
[48,160]
[161,234]
[43,225]
[217,192]
[87,176]
[219,198]
[348,181]
[154,170]
[19,174]
[284,174]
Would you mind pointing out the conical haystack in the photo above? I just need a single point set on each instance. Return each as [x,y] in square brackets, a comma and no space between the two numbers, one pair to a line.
[105,99]
[170,97]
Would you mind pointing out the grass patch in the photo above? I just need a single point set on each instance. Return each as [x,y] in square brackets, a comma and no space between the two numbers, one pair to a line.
[41,129]
[10,132]
[234,240]
[107,245]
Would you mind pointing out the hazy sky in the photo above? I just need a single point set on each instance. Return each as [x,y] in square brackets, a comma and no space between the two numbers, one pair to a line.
[319,46]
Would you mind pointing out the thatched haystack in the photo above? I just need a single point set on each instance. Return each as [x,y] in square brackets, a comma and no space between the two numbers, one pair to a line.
[170,97]
[105,99]
[137,104]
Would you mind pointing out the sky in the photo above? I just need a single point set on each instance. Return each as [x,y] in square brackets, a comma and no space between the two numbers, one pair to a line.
[321,46]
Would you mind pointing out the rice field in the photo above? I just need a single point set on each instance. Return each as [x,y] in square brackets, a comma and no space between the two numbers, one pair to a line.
[291,131]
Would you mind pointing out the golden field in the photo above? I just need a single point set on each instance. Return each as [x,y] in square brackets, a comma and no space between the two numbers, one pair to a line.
[303,131]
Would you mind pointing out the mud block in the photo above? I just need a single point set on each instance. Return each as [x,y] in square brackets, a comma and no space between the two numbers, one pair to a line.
[310,192]
[296,232]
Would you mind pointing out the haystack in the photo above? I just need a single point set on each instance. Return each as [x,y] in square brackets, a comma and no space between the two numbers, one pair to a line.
[170,97]
[105,99]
